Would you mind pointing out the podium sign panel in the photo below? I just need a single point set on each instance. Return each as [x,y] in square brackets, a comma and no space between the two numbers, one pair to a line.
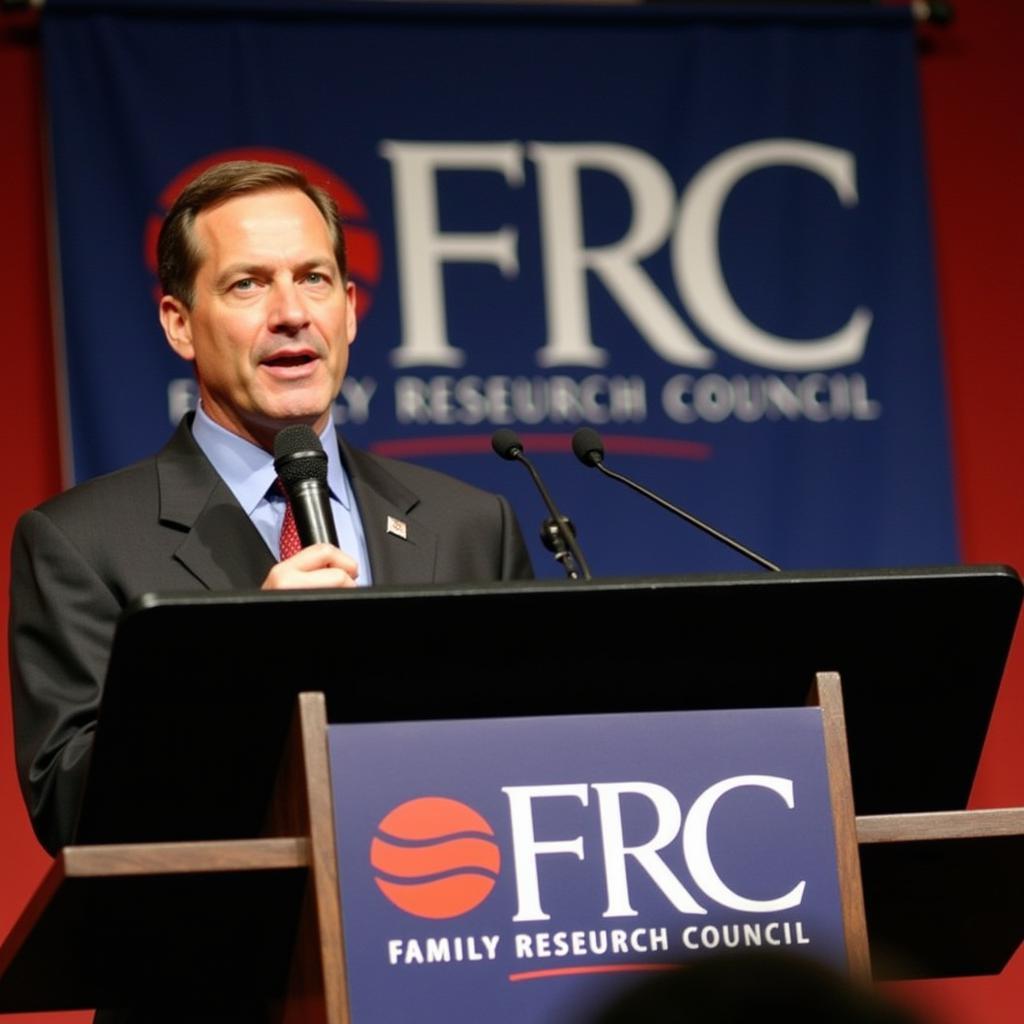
[528,867]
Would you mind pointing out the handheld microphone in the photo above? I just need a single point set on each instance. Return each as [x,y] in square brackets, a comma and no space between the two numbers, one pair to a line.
[567,552]
[301,464]
[589,449]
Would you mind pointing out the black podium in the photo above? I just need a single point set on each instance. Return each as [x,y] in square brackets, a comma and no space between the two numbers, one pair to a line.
[204,863]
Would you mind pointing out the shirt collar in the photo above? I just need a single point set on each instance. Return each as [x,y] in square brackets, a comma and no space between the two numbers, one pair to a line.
[249,471]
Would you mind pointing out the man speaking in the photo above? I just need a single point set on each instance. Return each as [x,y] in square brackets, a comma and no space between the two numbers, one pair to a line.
[255,295]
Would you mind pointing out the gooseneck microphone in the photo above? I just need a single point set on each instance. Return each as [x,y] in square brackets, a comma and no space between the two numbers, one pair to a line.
[558,535]
[589,449]
[301,463]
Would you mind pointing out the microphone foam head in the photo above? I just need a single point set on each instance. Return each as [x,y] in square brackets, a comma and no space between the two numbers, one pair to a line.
[588,447]
[506,443]
[299,455]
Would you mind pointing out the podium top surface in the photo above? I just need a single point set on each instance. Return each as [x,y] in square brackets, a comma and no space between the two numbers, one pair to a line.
[200,688]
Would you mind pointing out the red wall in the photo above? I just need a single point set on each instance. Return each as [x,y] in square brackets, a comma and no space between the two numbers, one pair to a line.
[972,79]
[27,411]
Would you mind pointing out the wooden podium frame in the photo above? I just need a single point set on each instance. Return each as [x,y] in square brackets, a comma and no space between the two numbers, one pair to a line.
[256,924]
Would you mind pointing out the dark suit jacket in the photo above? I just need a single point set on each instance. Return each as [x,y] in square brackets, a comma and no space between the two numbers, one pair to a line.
[170,523]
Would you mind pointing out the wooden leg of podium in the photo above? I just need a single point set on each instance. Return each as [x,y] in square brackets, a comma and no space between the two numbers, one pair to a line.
[827,694]
[302,806]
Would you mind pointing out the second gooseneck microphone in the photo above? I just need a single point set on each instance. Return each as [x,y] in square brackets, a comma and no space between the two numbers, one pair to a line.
[506,443]
[589,449]
[301,464]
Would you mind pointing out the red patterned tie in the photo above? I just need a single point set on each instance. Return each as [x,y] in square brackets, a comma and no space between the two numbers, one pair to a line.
[290,543]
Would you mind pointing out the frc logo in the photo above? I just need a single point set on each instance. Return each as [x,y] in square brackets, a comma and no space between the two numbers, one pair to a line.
[596,876]
[435,857]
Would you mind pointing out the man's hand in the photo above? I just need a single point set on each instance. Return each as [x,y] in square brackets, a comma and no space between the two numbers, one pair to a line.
[319,565]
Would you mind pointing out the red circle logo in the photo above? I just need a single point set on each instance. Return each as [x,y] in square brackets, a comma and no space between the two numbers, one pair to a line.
[361,240]
[435,857]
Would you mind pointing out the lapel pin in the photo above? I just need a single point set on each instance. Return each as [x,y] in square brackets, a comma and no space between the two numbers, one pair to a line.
[397,527]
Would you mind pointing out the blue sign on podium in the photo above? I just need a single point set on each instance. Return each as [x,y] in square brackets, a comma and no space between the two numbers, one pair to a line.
[526,868]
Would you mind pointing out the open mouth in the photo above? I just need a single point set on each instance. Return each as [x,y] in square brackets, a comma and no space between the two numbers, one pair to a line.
[290,360]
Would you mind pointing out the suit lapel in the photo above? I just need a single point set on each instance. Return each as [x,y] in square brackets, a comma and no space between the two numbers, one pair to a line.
[224,551]
[221,547]
[393,558]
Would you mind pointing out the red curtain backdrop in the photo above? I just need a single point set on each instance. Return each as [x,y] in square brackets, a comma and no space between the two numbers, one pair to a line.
[972,75]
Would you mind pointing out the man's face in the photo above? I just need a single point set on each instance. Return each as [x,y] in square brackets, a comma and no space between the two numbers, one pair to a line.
[272,320]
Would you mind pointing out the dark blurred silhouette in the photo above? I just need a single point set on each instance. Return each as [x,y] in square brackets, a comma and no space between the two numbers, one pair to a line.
[749,987]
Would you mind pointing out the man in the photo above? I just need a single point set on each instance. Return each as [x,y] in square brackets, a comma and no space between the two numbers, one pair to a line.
[255,295]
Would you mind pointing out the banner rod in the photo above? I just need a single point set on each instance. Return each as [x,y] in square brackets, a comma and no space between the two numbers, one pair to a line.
[937,12]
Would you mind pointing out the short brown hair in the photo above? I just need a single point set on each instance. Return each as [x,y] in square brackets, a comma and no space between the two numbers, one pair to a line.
[177,250]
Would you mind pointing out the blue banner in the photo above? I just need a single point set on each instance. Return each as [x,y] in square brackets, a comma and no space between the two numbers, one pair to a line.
[525,869]
[704,235]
